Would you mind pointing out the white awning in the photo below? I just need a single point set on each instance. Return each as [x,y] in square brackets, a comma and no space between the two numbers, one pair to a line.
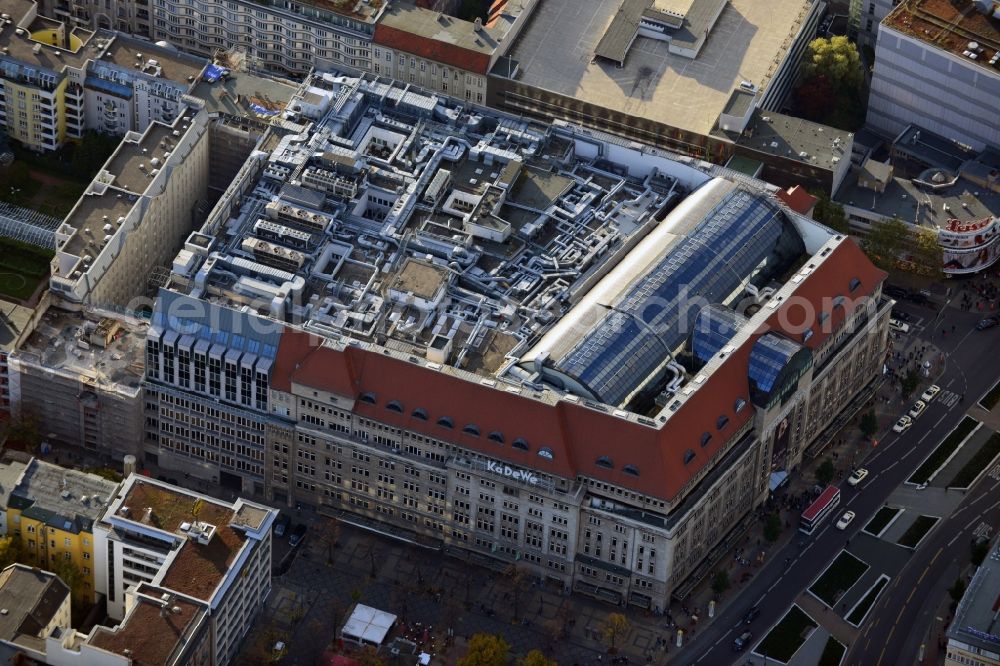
[368,625]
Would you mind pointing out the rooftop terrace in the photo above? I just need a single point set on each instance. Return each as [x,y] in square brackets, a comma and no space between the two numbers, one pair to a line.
[956,27]
[556,52]
[167,63]
[72,499]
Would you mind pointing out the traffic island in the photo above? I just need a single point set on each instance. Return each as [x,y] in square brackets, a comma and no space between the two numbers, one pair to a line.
[833,653]
[915,533]
[982,460]
[842,574]
[944,451]
[881,521]
[857,614]
[786,637]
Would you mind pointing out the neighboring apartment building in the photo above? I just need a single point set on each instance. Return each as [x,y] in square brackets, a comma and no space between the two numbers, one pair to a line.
[937,65]
[15,325]
[442,53]
[209,556]
[865,17]
[58,80]
[78,379]
[36,607]
[52,510]
[508,412]
[973,636]
[134,214]
[288,37]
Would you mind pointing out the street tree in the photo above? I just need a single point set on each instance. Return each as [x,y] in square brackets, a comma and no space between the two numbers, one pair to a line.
[927,252]
[909,384]
[869,424]
[957,590]
[830,213]
[486,650]
[815,97]
[10,551]
[536,658]
[837,58]
[370,657]
[772,527]
[885,241]
[615,627]
[825,472]
[517,577]
[720,582]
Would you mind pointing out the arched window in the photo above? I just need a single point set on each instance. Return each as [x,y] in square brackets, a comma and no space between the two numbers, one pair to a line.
[471,430]
[368,397]
[420,413]
[631,469]
[446,422]
[394,406]
[546,452]
[605,462]
[706,437]
[739,405]
[688,456]
[721,422]
[495,436]
[521,444]
[855,283]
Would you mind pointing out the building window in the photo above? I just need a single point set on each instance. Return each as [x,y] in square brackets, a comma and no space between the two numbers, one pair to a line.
[368,397]
[394,406]
[631,469]
[471,430]
[855,283]
[521,444]
[688,456]
[706,438]
[722,422]
[495,437]
[605,462]
[420,413]
[545,452]
[445,422]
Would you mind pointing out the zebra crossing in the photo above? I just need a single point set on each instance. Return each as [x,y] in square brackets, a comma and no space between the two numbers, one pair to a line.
[994,472]
[982,531]
[948,398]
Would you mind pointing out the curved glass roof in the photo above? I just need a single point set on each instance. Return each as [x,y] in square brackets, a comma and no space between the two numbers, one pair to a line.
[708,264]
[771,357]
[714,327]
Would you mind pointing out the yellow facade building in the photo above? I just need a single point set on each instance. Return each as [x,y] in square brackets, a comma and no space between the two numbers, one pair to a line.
[52,510]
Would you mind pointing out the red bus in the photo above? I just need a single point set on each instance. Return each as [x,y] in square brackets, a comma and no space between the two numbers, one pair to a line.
[819,510]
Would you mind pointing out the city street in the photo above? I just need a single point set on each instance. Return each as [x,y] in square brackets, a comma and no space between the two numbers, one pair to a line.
[968,369]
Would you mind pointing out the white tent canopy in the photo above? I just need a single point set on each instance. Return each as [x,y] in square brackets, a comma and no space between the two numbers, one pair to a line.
[367,625]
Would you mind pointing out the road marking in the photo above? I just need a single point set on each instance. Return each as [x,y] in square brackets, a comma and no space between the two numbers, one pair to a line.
[921,579]
[948,398]
[908,598]
[954,539]
[969,524]
[760,598]
[994,473]
[934,559]
[982,531]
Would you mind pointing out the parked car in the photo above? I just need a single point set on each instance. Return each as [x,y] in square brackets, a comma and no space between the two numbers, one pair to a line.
[918,408]
[899,326]
[281,524]
[298,533]
[903,424]
[987,323]
[742,641]
[751,615]
[845,520]
[859,475]
[930,393]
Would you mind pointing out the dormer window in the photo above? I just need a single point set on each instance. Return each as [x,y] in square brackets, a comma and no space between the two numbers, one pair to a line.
[394,406]
[446,422]
[806,334]
[369,398]
[855,283]
[546,452]
[631,470]
[495,436]
[688,456]
[721,422]
[420,413]
[521,444]
[605,462]
[706,437]
[739,405]
[471,430]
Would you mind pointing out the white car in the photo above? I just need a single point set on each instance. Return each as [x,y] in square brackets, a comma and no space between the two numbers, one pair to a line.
[899,326]
[931,391]
[918,408]
[857,477]
[903,424]
[845,520]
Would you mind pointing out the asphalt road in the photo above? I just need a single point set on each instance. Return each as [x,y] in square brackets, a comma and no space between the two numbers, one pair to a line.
[971,368]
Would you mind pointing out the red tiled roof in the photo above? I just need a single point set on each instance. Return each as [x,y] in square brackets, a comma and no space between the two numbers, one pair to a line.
[432,49]
[577,435]
[798,199]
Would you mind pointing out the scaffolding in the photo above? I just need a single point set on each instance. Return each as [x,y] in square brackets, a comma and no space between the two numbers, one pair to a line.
[28,226]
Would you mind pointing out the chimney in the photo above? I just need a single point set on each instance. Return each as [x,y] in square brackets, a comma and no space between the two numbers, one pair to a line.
[478,25]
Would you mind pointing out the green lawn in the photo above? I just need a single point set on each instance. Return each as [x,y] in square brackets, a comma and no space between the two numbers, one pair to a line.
[881,519]
[984,456]
[921,526]
[943,450]
[838,578]
[859,611]
[991,399]
[22,267]
[787,636]
[832,653]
